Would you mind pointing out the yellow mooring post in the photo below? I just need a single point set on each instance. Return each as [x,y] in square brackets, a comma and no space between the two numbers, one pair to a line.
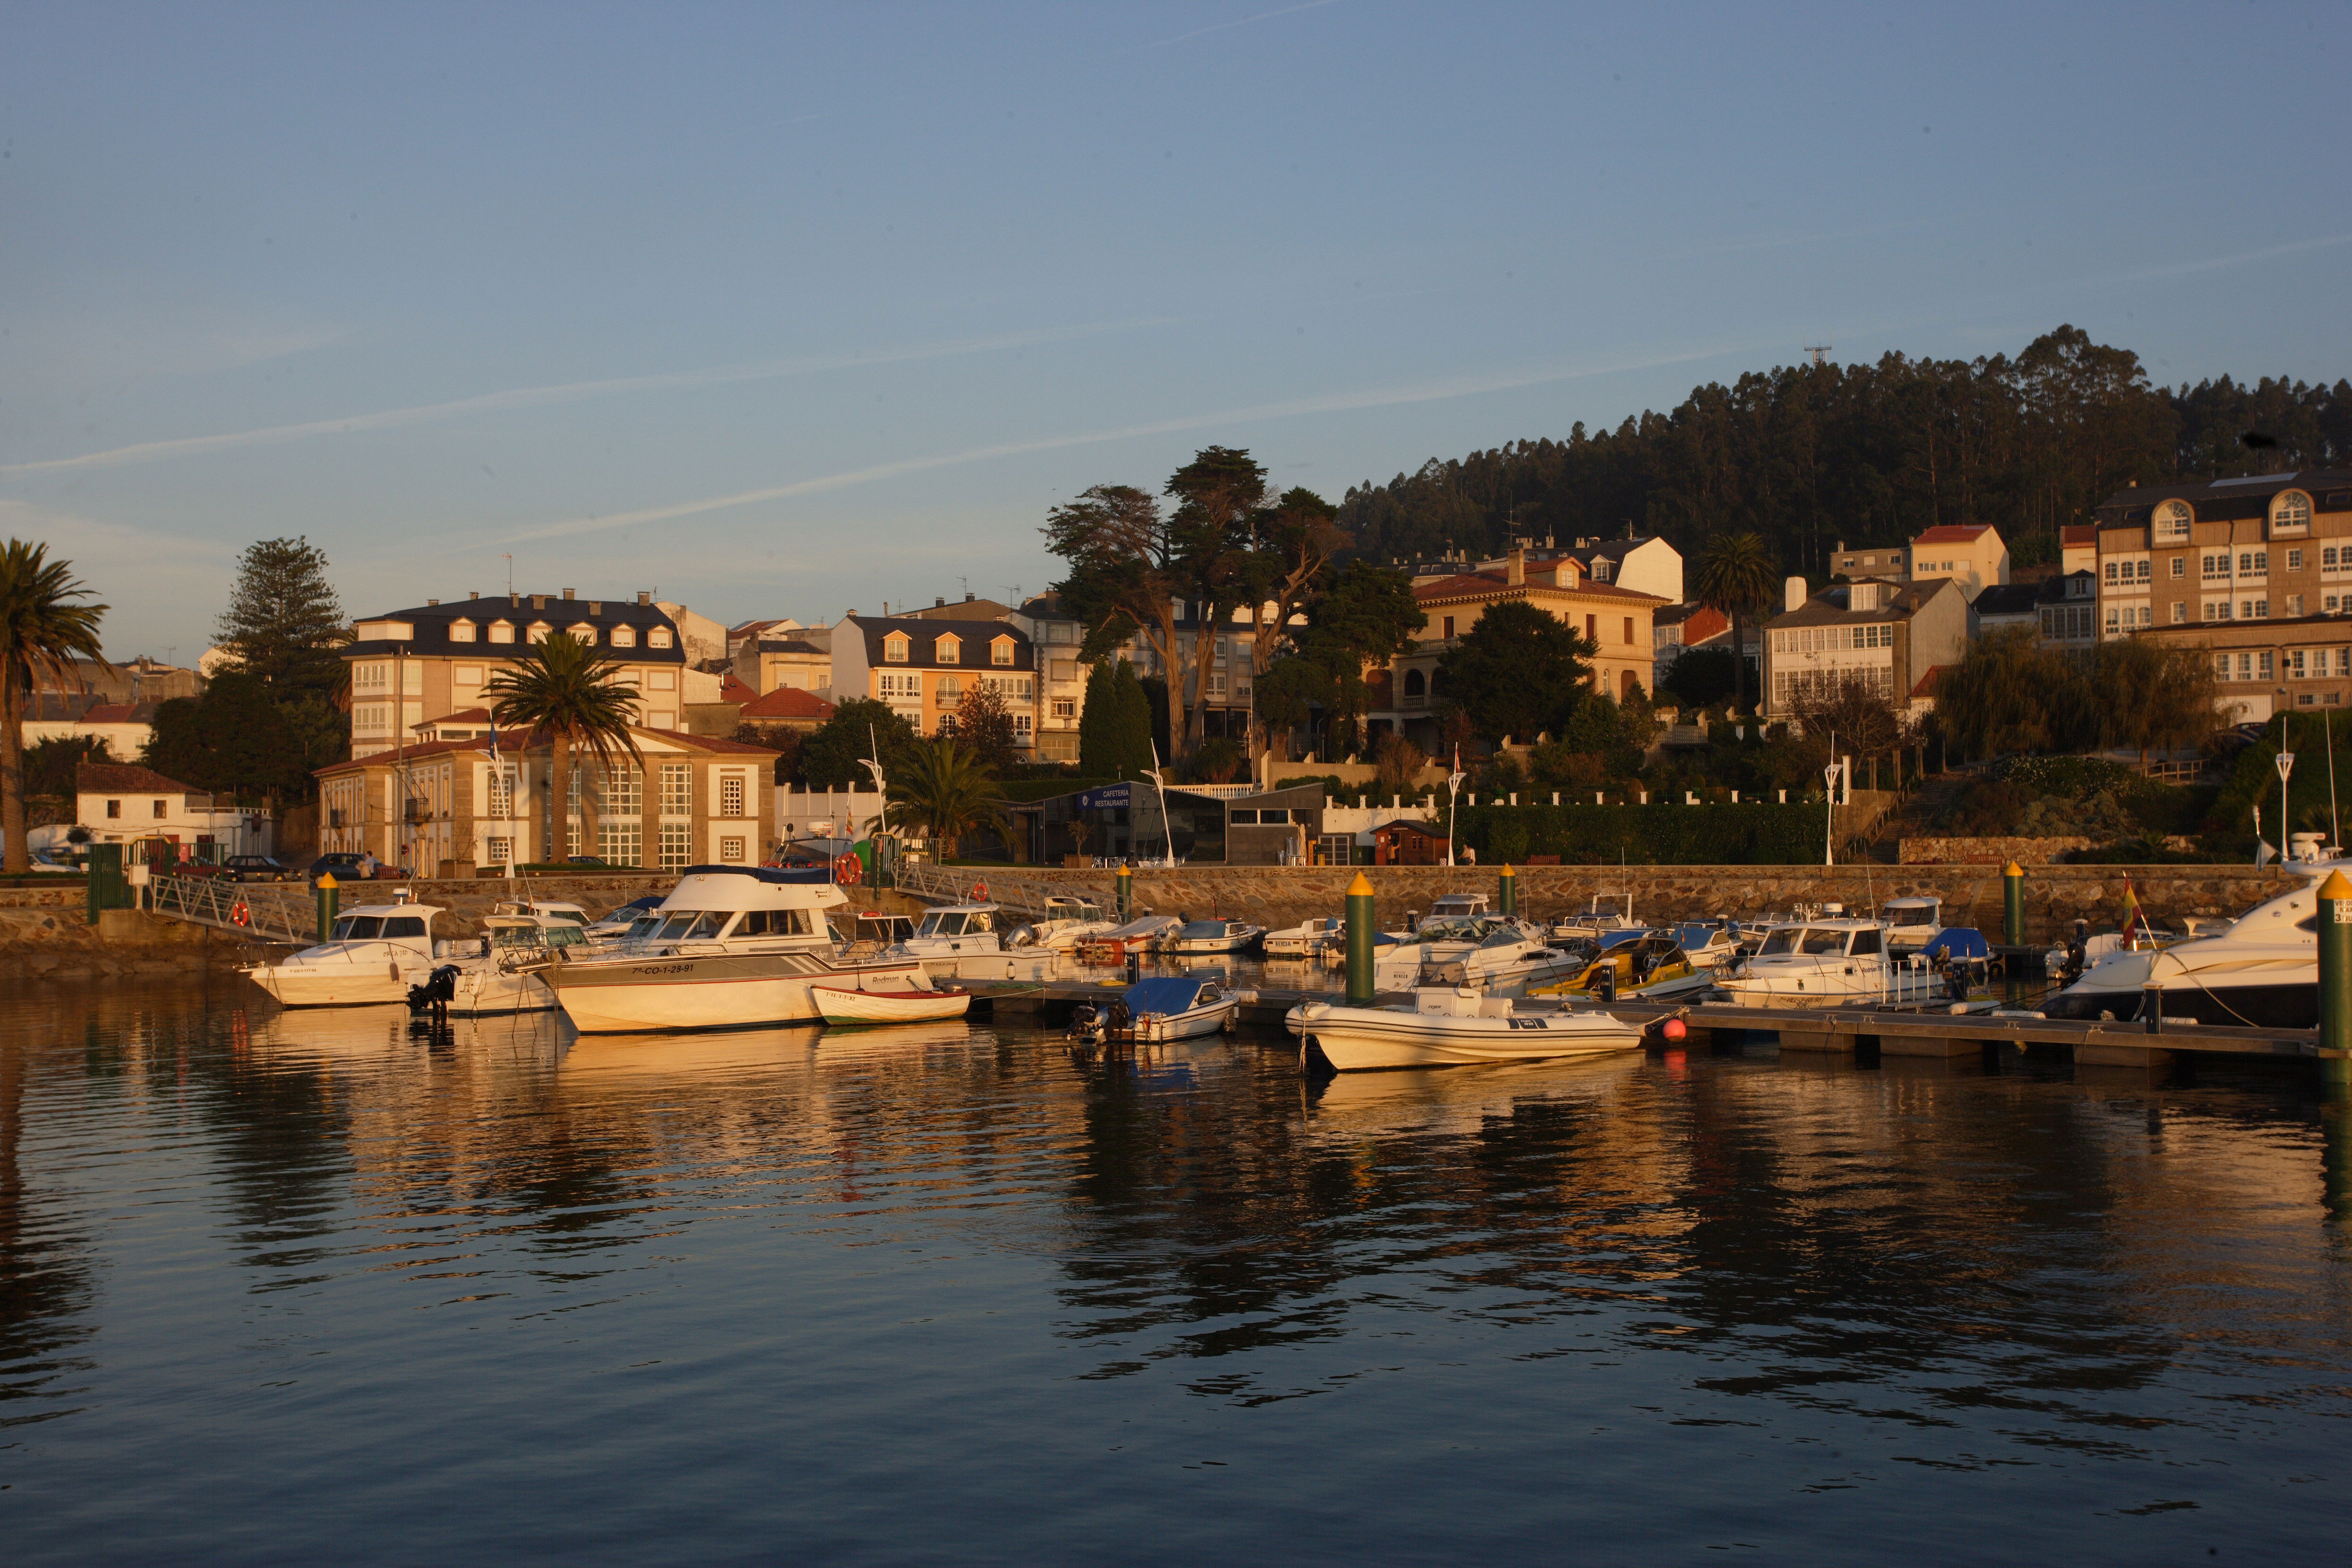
[2336,982]
[2012,918]
[1125,894]
[1510,895]
[328,897]
[1360,941]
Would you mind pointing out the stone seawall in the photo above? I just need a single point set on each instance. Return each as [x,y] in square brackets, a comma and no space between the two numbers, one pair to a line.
[2055,896]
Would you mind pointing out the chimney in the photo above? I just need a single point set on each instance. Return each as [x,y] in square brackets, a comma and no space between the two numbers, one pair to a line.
[643,597]
[968,598]
[1793,595]
[430,603]
[567,593]
[595,607]
[938,604]
[470,594]
[1841,546]
[1518,565]
[539,600]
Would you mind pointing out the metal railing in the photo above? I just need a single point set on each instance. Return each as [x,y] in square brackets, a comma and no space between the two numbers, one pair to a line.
[953,885]
[274,911]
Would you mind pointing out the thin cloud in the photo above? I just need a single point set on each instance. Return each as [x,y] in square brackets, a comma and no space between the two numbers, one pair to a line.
[1466,385]
[1238,22]
[572,392]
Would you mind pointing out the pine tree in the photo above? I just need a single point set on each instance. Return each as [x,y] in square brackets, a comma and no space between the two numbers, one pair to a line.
[1131,750]
[284,624]
[1099,724]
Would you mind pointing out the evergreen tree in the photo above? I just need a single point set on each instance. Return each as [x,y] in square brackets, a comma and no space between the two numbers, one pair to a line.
[1517,672]
[231,740]
[1140,718]
[833,757]
[1099,724]
[983,728]
[284,624]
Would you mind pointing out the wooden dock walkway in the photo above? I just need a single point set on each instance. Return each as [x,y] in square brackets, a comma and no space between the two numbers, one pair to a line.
[1831,1032]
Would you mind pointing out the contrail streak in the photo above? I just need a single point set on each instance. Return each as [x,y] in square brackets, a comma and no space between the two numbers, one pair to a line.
[571,391]
[1237,22]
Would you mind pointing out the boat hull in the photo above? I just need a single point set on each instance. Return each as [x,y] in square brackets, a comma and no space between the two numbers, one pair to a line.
[1361,1039]
[731,990]
[848,1005]
[349,986]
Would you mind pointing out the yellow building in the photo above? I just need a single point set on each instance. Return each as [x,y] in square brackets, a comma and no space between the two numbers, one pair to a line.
[922,667]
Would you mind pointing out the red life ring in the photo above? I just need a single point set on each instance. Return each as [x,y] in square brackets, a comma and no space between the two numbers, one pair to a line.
[848,870]
[240,914]
[980,892]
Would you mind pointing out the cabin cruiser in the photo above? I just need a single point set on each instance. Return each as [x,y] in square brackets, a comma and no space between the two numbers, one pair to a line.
[1826,963]
[1709,944]
[1399,959]
[2263,970]
[951,929]
[1651,964]
[1069,923]
[1458,907]
[1197,939]
[1166,1007]
[1911,923]
[1512,953]
[1306,939]
[377,952]
[1140,935]
[736,946]
[622,920]
[1596,922]
[1446,1026]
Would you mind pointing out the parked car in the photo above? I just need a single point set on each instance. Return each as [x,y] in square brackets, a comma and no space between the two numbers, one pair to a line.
[346,869]
[589,861]
[257,868]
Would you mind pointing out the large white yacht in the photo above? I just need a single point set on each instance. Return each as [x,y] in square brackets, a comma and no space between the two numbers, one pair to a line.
[738,946]
[376,952]
[2263,971]
[1828,962]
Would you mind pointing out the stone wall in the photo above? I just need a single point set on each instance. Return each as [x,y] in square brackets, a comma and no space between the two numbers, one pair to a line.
[61,944]
[2001,851]
[2055,896]
[467,899]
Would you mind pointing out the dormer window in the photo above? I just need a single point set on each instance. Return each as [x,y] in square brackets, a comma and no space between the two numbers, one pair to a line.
[581,632]
[624,637]
[2290,514]
[894,648]
[1601,571]
[948,650]
[537,632]
[658,638]
[461,631]
[1000,651]
[502,631]
[2171,523]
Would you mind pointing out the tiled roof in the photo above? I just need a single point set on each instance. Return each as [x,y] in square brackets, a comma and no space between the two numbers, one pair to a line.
[1929,683]
[1494,584]
[787,702]
[2078,533]
[732,690]
[1954,534]
[124,778]
[463,716]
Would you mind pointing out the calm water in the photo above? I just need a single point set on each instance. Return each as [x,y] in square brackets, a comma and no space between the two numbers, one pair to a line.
[297,1288]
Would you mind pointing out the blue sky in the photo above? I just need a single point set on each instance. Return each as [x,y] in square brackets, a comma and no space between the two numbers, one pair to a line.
[789,311]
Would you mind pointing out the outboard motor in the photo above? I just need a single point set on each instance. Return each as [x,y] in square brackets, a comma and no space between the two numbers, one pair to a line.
[2077,953]
[434,996]
[1086,1024]
[1605,983]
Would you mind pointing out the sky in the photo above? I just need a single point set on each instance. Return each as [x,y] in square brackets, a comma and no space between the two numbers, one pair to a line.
[784,310]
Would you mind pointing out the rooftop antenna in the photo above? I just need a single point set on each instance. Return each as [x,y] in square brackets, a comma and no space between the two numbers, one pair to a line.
[509,560]
[1817,351]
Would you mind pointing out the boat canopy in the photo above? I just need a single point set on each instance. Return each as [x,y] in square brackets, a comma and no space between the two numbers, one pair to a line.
[1959,942]
[1166,993]
[778,874]
[1206,928]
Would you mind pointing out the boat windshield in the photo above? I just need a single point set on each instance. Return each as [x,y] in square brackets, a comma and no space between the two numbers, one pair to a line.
[1203,928]
[1506,937]
[691,925]
[643,928]
[515,936]
[359,928]
[566,936]
[1802,939]
[1694,935]
[1831,941]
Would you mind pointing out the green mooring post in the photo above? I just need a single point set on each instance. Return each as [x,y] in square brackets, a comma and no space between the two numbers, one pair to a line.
[1510,898]
[2012,917]
[2336,982]
[1360,941]
[108,888]
[1125,894]
[329,896]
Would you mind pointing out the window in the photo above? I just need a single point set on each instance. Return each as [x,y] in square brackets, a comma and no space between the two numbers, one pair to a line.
[1449,626]
[499,851]
[730,796]
[2171,523]
[2253,563]
[2265,659]
[624,637]
[1629,630]
[894,649]
[1021,727]
[2328,558]
[2179,612]
[661,681]
[1216,684]
[502,631]
[159,811]
[948,690]
[730,851]
[2293,605]
[2179,566]
[1066,708]
[2290,514]
[620,843]
[2292,660]
[659,637]
[2294,559]
[461,631]
[2114,627]
[677,790]
[1592,628]
[2254,609]
[1000,651]
[538,632]
[674,846]
[908,688]
[2221,667]
[946,650]
[113,809]
[2215,568]
[1415,683]
[2111,574]
[2344,661]
[499,800]
[624,791]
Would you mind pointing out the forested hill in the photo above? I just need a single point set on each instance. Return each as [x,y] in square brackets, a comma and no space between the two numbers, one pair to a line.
[1809,454]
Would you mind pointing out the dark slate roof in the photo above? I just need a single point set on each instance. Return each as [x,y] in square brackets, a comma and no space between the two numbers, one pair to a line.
[2009,599]
[791,645]
[431,627]
[2052,590]
[2217,500]
[922,635]
[1900,604]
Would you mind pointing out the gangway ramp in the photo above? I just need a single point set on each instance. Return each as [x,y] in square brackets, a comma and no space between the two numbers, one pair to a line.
[258,911]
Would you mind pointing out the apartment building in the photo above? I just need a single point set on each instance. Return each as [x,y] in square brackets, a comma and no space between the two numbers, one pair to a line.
[1055,636]
[922,667]
[2273,546]
[412,665]
[1891,636]
[1970,554]
[450,806]
[781,654]
[1882,562]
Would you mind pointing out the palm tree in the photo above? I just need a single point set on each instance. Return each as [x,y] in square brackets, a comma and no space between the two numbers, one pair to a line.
[42,632]
[568,689]
[1737,576]
[947,792]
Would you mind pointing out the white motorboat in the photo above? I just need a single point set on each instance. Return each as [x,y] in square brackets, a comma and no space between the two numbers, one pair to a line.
[1911,923]
[375,952]
[1166,1007]
[1709,944]
[915,1005]
[1829,962]
[1403,961]
[620,922]
[506,976]
[1449,1026]
[1306,939]
[1458,907]
[1140,935]
[1069,922]
[953,929]
[738,946]
[1511,953]
[2261,971]
[1201,939]
[1596,922]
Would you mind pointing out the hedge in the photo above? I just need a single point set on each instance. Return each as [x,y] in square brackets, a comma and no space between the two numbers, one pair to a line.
[1659,834]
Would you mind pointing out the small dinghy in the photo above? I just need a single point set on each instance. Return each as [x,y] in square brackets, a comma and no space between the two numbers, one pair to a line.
[1449,1026]
[1170,1007]
[848,1005]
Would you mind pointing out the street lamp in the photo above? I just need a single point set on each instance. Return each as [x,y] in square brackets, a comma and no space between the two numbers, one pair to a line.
[2286,761]
[1829,823]
[1453,792]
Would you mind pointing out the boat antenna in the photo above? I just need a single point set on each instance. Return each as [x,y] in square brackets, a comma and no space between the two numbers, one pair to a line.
[1168,831]
[2328,734]
[873,765]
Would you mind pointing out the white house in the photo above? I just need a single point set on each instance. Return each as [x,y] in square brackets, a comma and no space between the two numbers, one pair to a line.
[121,803]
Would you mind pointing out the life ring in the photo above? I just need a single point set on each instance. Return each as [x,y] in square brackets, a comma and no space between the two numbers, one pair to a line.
[240,914]
[980,892]
[849,871]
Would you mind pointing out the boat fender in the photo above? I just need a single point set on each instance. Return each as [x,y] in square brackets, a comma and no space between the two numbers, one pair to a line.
[1672,1029]
[1314,1009]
